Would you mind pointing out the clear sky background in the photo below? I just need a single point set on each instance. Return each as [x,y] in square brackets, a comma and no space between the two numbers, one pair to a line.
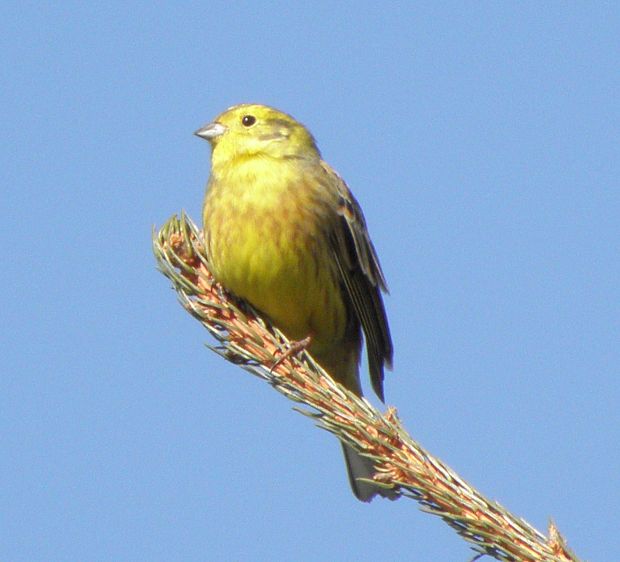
[482,141]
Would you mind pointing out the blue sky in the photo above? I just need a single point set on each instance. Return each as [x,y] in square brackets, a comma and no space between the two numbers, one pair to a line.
[481,140]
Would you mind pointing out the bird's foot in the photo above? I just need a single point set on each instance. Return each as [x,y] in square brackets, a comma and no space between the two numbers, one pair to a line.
[294,348]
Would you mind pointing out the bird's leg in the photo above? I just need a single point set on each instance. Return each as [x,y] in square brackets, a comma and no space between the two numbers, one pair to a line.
[294,348]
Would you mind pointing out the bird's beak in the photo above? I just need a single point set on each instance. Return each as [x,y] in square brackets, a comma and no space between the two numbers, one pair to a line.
[211,131]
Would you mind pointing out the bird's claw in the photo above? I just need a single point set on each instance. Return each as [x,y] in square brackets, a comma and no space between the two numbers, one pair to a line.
[295,347]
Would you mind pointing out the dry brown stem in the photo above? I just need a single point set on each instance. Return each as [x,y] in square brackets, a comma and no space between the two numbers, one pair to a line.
[401,463]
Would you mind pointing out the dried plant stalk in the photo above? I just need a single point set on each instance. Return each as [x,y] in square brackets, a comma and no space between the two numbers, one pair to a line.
[401,464]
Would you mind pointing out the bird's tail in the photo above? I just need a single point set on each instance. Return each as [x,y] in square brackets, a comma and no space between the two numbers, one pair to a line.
[361,467]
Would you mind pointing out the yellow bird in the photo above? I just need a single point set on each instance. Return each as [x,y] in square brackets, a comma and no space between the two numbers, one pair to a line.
[283,232]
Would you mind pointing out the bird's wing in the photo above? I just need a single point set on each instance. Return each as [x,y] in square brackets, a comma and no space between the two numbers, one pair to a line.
[362,277]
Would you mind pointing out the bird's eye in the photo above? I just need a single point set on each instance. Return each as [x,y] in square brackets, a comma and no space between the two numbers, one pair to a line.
[248,120]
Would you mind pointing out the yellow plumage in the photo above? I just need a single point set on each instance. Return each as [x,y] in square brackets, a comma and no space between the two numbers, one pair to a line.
[283,232]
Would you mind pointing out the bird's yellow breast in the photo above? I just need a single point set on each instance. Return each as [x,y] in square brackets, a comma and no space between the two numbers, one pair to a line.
[266,229]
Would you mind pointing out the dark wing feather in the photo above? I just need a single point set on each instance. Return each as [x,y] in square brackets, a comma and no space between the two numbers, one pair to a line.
[363,279]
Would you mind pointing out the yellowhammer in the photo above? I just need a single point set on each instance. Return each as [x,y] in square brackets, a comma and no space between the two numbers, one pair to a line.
[283,231]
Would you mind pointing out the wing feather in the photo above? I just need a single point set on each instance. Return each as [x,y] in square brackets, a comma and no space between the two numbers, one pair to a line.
[362,278]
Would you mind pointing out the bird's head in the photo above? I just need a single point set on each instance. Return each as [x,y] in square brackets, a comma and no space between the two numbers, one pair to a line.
[249,130]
